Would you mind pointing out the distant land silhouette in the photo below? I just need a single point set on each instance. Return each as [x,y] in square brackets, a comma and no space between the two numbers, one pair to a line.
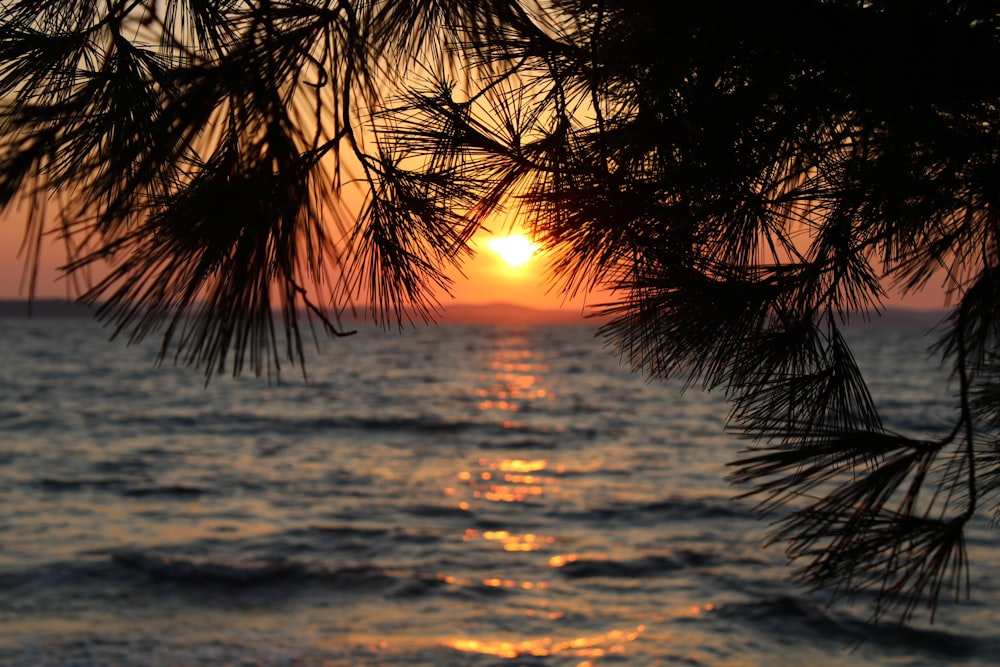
[45,309]
[456,313]
[493,313]
[512,313]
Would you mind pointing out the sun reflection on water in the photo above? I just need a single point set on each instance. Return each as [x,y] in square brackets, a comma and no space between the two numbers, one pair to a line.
[592,646]
[497,582]
[504,481]
[510,541]
[514,379]
[518,465]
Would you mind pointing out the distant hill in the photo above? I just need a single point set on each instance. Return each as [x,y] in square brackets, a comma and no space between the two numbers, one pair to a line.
[901,318]
[503,313]
[45,308]
[487,313]
[507,313]
[457,314]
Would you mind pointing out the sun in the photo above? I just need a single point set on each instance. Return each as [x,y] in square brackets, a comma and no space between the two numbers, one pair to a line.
[514,250]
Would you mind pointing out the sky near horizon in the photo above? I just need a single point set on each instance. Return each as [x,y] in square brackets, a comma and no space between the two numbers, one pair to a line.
[487,278]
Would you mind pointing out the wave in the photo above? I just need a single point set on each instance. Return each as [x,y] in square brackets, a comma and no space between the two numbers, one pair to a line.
[793,616]
[645,566]
[178,569]
[237,423]
[783,611]
[165,568]
[349,531]
[393,537]
[937,643]
[698,508]
[671,509]
[171,490]
[126,487]
[514,444]
[441,511]
[57,484]
[291,576]
[490,434]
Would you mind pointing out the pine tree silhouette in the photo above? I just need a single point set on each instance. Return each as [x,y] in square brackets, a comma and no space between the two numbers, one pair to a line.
[746,177]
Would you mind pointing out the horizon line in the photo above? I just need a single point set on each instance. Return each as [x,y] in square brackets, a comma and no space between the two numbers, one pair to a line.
[497,312]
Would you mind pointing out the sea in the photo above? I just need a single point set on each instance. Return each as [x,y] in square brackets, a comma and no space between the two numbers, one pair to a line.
[441,496]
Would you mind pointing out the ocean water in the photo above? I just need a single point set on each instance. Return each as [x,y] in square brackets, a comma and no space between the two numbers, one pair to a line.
[450,496]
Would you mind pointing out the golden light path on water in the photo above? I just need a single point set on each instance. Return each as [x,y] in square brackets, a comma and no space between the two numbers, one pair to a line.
[517,381]
[513,480]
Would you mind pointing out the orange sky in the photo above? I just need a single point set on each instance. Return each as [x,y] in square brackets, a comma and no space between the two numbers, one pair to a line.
[12,266]
[487,278]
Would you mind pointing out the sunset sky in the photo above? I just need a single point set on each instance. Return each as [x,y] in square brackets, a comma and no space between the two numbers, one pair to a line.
[488,278]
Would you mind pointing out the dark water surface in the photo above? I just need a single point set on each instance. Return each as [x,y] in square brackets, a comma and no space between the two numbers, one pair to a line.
[451,496]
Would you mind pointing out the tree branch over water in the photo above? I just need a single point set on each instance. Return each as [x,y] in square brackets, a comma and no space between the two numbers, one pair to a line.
[745,177]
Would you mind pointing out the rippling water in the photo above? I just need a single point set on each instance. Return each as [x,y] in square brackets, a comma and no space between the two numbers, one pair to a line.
[451,496]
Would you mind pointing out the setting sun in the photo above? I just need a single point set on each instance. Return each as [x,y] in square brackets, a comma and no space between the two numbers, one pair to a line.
[515,250]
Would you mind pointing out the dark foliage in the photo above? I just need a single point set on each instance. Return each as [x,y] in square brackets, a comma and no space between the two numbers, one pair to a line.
[745,176]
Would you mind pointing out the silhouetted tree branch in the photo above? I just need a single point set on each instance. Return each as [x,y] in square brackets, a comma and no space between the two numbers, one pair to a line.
[746,177]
